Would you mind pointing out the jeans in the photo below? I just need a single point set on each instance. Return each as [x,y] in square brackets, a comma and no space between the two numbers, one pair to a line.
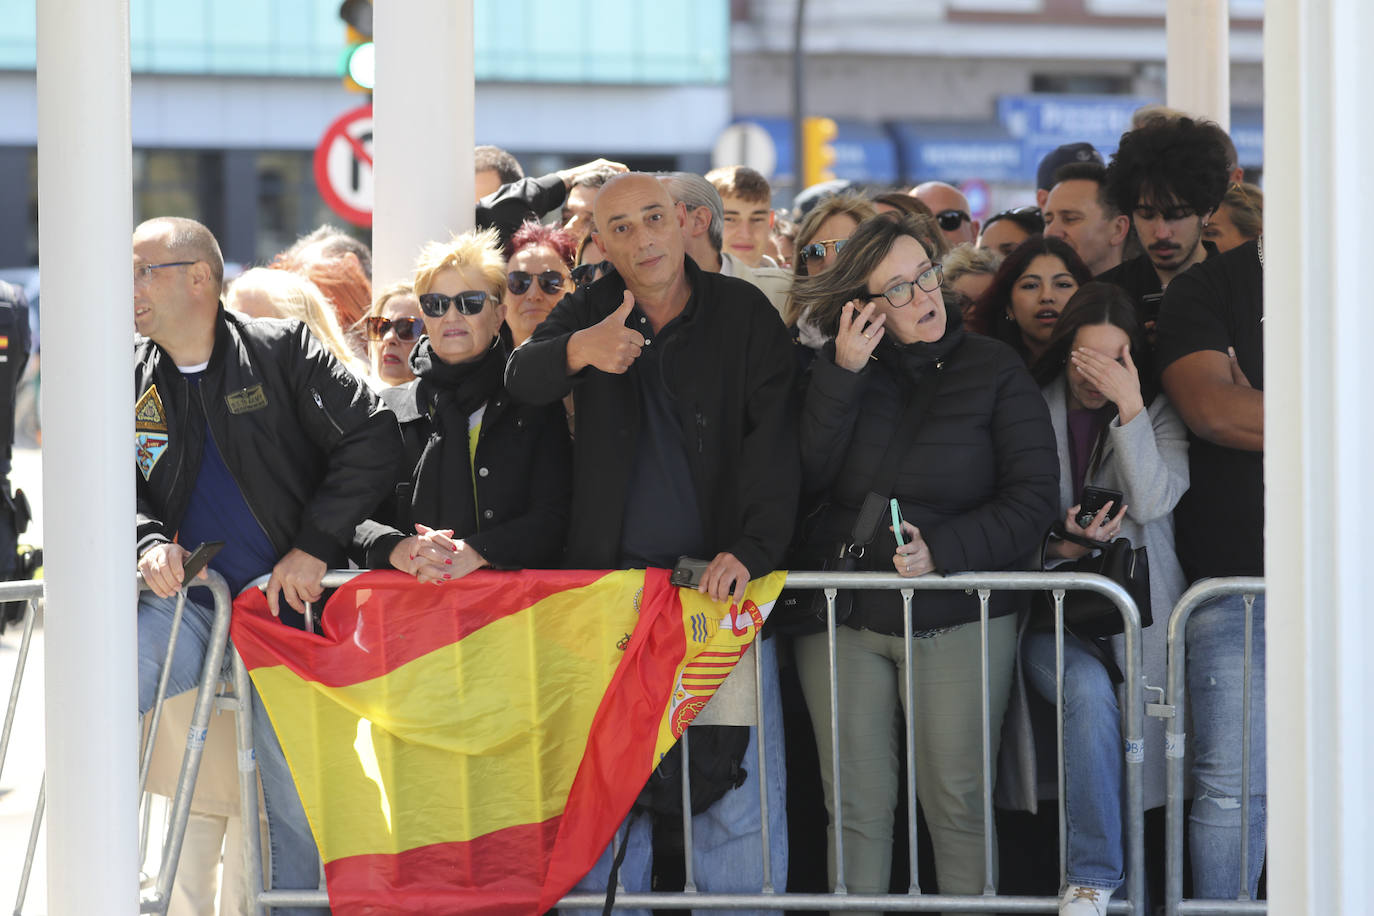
[1216,655]
[1092,757]
[295,861]
[948,727]
[727,838]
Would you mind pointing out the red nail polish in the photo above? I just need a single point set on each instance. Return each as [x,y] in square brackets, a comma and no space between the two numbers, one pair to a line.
[447,576]
[448,562]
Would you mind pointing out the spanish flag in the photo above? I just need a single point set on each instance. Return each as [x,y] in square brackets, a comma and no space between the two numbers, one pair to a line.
[472,747]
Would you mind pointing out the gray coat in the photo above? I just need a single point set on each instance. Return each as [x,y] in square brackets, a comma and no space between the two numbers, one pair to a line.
[1147,460]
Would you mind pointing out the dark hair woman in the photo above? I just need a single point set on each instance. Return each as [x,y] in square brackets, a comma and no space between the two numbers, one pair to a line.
[1027,294]
[976,489]
[1115,431]
[485,481]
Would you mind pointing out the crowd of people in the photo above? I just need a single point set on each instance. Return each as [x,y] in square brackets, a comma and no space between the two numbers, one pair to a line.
[669,367]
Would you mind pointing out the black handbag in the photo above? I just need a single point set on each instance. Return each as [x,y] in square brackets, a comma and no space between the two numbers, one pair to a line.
[799,611]
[1089,614]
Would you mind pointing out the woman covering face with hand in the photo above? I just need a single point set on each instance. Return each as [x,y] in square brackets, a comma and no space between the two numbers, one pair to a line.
[485,481]
[1115,431]
[976,489]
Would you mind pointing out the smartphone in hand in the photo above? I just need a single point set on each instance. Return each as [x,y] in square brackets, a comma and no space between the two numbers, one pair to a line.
[897,522]
[1094,498]
[197,560]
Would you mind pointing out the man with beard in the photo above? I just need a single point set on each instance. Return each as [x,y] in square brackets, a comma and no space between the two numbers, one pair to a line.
[1169,176]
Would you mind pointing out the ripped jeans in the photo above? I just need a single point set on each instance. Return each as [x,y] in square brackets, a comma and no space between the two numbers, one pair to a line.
[1216,660]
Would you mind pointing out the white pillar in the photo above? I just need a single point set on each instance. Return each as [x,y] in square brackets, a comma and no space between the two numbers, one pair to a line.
[423,130]
[1319,438]
[85,221]
[1198,71]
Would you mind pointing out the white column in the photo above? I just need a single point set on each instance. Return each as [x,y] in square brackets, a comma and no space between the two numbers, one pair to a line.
[85,221]
[1198,71]
[423,130]
[1319,437]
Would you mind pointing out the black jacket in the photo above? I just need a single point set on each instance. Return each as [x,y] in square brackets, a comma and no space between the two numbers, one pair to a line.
[981,480]
[312,450]
[523,483]
[730,368]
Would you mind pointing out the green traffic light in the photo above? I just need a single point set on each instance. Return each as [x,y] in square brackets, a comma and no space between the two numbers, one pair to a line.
[361,65]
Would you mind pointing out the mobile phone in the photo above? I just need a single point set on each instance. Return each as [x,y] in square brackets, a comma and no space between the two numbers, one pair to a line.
[897,522]
[197,560]
[688,572]
[1149,307]
[1094,498]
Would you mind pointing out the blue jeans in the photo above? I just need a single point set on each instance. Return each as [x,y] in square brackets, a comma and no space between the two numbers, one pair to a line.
[1216,655]
[1092,757]
[295,861]
[727,838]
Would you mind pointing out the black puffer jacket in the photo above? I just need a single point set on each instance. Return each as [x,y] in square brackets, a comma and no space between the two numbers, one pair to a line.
[312,450]
[981,480]
[522,483]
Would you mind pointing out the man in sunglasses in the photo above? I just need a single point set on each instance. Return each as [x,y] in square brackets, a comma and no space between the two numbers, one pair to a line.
[686,445]
[951,210]
[249,433]
[1169,176]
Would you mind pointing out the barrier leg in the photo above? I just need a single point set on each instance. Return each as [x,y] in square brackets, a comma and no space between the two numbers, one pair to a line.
[836,794]
[248,782]
[760,715]
[32,848]
[1245,750]
[689,882]
[29,617]
[909,686]
[989,886]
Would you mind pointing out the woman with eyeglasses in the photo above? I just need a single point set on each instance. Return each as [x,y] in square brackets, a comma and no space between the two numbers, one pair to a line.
[1028,293]
[392,327]
[485,481]
[538,274]
[975,477]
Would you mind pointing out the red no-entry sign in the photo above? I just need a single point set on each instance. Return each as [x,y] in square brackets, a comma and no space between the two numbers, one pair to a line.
[343,166]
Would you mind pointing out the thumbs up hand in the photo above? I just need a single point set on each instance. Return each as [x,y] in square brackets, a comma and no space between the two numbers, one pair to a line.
[607,345]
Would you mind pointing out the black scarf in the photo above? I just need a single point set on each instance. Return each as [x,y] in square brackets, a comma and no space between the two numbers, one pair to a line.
[442,491]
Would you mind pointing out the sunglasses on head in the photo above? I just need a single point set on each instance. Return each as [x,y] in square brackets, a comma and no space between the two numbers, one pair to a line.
[469,302]
[951,220]
[550,281]
[818,249]
[406,328]
[583,274]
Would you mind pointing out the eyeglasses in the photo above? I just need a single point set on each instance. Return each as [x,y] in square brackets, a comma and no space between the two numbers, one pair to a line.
[406,329]
[1168,214]
[818,249]
[144,272]
[901,294]
[550,281]
[583,274]
[469,302]
[951,220]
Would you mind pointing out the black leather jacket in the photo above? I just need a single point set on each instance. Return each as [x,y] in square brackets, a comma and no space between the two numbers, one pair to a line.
[312,449]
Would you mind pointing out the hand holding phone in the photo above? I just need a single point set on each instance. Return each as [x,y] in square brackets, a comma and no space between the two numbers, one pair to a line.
[1094,498]
[198,560]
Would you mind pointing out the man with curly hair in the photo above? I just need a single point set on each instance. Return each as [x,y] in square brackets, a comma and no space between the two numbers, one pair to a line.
[1169,176]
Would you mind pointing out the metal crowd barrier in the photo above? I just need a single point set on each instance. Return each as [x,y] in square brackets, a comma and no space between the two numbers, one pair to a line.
[1200,593]
[772,898]
[159,898]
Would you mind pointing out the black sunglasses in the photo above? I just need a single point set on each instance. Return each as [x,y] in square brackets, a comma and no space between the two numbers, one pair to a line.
[407,329]
[1028,218]
[951,220]
[583,274]
[550,281]
[818,249]
[469,302]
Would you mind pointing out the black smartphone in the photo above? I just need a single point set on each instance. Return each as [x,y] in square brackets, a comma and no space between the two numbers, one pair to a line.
[1149,307]
[197,560]
[688,572]
[1094,498]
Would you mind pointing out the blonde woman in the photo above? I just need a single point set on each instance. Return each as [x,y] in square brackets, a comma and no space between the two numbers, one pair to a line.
[264,292]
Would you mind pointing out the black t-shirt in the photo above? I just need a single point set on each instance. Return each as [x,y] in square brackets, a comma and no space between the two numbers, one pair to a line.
[1219,522]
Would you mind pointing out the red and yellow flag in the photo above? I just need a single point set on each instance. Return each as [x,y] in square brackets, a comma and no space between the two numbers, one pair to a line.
[472,747]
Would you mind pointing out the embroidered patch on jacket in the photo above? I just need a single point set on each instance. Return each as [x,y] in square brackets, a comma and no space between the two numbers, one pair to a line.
[246,400]
[148,413]
[148,448]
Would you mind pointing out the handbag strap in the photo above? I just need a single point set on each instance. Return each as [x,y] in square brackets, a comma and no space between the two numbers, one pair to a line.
[1057,530]
[875,503]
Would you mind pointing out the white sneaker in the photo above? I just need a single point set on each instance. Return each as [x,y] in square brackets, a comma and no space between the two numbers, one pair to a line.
[1084,901]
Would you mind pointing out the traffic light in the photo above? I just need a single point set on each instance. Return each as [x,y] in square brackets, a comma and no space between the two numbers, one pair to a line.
[818,150]
[357,67]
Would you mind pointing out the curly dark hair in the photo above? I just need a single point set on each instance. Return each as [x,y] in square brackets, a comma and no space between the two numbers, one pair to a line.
[986,315]
[1165,161]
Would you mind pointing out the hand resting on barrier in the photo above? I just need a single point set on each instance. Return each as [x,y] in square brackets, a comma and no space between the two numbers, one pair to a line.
[432,555]
[296,577]
[161,566]
[913,558]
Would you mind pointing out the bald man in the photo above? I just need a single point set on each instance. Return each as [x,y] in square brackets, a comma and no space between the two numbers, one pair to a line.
[951,210]
[685,445]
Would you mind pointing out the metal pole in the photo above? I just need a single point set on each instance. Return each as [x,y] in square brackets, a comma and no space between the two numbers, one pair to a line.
[798,97]
[424,189]
[85,173]
[1199,64]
